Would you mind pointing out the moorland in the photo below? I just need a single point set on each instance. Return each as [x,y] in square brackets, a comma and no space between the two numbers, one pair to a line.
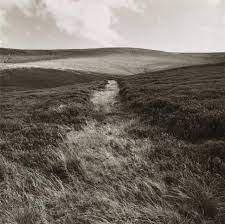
[112,136]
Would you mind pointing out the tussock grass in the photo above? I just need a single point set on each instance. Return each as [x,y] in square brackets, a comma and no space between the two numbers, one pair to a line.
[187,102]
[101,174]
[62,161]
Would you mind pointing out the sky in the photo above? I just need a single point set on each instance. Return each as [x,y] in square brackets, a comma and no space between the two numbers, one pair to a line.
[168,25]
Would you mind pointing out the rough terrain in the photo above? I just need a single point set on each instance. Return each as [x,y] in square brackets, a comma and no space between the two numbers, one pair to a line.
[100,147]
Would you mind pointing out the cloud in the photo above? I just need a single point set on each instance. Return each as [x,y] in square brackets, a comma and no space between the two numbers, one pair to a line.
[5,5]
[163,24]
[214,2]
[91,19]
[3,23]
[23,5]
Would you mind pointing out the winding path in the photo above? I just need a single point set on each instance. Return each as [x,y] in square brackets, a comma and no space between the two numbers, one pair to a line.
[105,99]
[104,102]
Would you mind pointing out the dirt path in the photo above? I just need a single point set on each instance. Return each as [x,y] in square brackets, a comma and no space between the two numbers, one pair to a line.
[106,146]
[105,99]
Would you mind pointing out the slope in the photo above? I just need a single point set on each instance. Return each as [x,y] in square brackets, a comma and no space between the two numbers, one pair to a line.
[121,61]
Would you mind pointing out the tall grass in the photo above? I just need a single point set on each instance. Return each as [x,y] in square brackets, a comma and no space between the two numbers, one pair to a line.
[101,174]
[188,103]
[61,161]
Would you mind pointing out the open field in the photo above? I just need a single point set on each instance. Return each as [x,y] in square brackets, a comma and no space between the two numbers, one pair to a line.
[120,61]
[88,147]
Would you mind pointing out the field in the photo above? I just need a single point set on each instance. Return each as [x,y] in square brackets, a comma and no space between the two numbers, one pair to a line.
[119,61]
[104,146]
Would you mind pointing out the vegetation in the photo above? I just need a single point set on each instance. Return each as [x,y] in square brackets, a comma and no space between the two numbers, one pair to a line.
[187,102]
[120,61]
[156,157]
[40,78]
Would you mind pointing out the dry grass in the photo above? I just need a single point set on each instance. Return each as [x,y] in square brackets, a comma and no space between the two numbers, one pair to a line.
[187,102]
[62,161]
[101,174]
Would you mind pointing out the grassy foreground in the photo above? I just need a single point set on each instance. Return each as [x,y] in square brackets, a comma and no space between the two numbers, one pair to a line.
[188,104]
[63,162]
[33,125]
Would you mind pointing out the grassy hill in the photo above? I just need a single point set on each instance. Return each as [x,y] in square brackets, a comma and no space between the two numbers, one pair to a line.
[157,157]
[182,111]
[39,78]
[123,61]
[188,102]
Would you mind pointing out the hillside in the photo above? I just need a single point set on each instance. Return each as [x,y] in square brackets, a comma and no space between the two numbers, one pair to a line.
[187,102]
[122,61]
[84,146]
[41,78]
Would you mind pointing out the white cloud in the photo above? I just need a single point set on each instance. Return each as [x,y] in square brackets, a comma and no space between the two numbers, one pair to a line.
[24,5]
[91,19]
[214,2]
[102,23]
[223,21]
[3,23]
